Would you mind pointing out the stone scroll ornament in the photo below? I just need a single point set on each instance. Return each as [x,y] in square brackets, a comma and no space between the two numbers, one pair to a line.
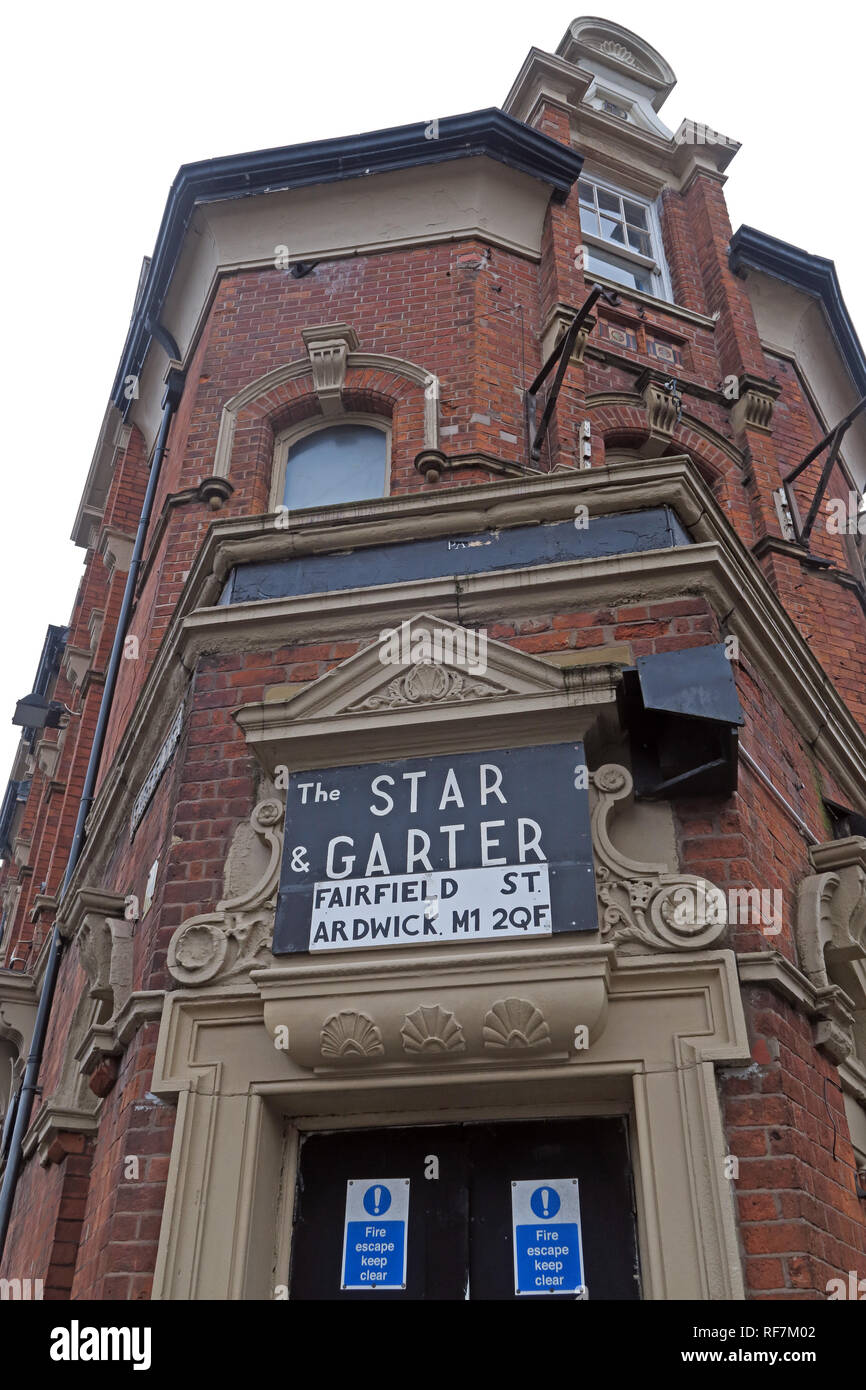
[229,941]
[642,902]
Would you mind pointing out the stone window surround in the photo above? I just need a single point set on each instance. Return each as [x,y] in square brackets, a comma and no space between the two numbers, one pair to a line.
[331,353]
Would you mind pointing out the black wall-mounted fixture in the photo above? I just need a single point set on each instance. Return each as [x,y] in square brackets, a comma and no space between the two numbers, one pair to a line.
[845,822]
[681,712]
[802,531]
[561,354]
[35,712]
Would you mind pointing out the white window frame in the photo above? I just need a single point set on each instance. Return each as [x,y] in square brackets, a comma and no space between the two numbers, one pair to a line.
[654,266]
[286,441]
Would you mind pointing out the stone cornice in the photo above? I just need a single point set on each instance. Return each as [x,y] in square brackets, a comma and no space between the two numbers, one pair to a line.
[143,1006]
[813,275]
[828,1006]
[76,905]
[17,987]
[718,566]
[772,970]
[50,1132]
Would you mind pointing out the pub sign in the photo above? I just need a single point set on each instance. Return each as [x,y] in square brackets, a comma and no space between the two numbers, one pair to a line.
[466,847]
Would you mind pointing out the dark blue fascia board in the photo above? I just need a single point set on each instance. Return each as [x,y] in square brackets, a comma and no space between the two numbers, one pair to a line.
[815,276]
[519,547]
[490,132]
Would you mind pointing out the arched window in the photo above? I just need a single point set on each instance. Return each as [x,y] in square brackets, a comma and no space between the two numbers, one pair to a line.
[346,461]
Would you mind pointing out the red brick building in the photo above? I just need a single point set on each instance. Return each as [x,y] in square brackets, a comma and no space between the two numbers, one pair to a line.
[323,430]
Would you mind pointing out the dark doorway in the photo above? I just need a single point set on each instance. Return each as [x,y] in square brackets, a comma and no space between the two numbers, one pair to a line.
[459,1238]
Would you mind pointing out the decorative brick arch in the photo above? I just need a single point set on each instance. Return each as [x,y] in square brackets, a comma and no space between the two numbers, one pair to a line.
[372,382]
[623,420]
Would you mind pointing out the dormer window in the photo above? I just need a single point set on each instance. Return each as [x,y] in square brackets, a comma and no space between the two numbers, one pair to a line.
[622,238]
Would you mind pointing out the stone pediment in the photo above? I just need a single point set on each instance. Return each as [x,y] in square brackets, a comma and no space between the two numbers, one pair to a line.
[419,687]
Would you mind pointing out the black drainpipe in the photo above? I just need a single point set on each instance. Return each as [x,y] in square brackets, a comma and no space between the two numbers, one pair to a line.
[28,1089]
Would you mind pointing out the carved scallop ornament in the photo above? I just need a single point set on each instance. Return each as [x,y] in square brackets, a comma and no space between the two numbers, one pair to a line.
[494,1009]
[350,1037]
[430,1029]
[515,1024]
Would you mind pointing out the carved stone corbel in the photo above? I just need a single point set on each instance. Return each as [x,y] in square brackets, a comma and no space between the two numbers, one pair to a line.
[95,921]
[831,910]
[47,755]
[831,940]
[105,950]
[76,663]
[754,405]
[230,940]
[116,548]
[662,405]
[329,346]
[558,322]
[643,905]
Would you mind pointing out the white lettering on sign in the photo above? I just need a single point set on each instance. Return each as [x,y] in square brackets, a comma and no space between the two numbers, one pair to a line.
[471,904]
[342,855]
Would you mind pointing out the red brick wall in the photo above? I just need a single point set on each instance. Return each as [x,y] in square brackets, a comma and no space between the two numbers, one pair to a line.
[127,1182]
[801,1222]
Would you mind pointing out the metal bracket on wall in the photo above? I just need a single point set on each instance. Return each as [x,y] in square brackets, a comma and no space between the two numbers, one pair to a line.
[561,354]
[802,531]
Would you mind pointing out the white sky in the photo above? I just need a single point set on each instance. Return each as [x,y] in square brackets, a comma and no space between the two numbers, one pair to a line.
[102,102]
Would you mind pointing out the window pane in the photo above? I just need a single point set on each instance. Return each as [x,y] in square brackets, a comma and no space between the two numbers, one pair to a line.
[589,221]
[614,269]
[635,214]
[640,241]
[609,202]
[345,463]
[586,191]
[613,231]
[609,268]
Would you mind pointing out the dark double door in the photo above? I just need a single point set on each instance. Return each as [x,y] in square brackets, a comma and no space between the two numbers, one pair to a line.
[459,1241]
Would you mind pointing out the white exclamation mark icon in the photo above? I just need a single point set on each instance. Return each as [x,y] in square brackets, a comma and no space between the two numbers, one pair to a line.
[545,1200]
[377,1197]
